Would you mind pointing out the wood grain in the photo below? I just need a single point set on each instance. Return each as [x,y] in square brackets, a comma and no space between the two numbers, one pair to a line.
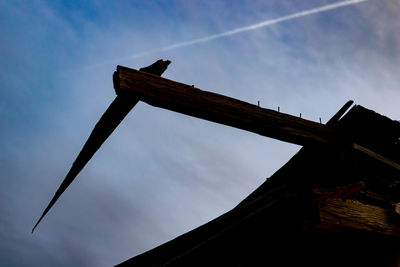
[352,214]
[182,98]
[188,100]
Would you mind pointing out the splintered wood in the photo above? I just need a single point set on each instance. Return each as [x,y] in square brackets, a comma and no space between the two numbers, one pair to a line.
[354,215]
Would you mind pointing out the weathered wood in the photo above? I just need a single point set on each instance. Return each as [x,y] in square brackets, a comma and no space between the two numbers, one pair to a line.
[396,208]
[340,191]
[376,156]
[182,98]
[353,215]
[110,120]
[335,119]
[186,99]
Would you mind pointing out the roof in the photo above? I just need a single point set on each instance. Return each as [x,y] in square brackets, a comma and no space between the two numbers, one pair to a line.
[275,214]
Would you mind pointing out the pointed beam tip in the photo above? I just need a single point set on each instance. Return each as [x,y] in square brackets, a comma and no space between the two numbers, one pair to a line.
[116,81]
[111,118]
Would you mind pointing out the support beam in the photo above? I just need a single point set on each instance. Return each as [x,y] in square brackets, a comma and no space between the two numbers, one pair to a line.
[110,120]
[186,99]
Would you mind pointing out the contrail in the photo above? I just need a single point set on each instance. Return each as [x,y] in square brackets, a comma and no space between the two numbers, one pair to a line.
[251,27]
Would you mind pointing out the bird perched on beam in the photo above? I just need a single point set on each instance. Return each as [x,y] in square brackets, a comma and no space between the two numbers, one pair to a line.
[157,68]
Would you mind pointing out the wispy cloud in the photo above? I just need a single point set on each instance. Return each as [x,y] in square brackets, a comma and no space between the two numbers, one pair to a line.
[247,28]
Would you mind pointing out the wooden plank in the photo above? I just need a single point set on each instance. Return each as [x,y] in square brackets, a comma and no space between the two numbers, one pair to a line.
[186,99]
[335,119]
[376,156]
[351,214]
[182,98]
[110,120]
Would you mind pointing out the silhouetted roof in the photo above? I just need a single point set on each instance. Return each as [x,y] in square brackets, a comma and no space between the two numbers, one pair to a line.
[269,216]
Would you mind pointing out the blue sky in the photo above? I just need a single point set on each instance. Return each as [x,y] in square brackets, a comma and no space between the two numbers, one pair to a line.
[161,174]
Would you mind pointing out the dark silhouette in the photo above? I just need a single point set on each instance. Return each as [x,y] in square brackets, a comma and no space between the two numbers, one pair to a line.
[157,68]
[113,116]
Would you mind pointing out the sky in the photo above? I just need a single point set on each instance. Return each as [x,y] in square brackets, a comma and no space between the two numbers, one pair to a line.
[161,173]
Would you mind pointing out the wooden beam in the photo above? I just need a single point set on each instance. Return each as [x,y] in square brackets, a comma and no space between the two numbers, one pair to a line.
[376,156]
[186,99]
[335,119]
[110,120]
[353,215]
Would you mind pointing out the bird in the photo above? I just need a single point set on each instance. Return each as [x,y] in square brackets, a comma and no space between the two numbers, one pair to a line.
[157,68]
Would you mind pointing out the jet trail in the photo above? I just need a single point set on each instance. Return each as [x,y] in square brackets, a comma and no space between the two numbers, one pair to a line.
[250,27]
[234,31]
